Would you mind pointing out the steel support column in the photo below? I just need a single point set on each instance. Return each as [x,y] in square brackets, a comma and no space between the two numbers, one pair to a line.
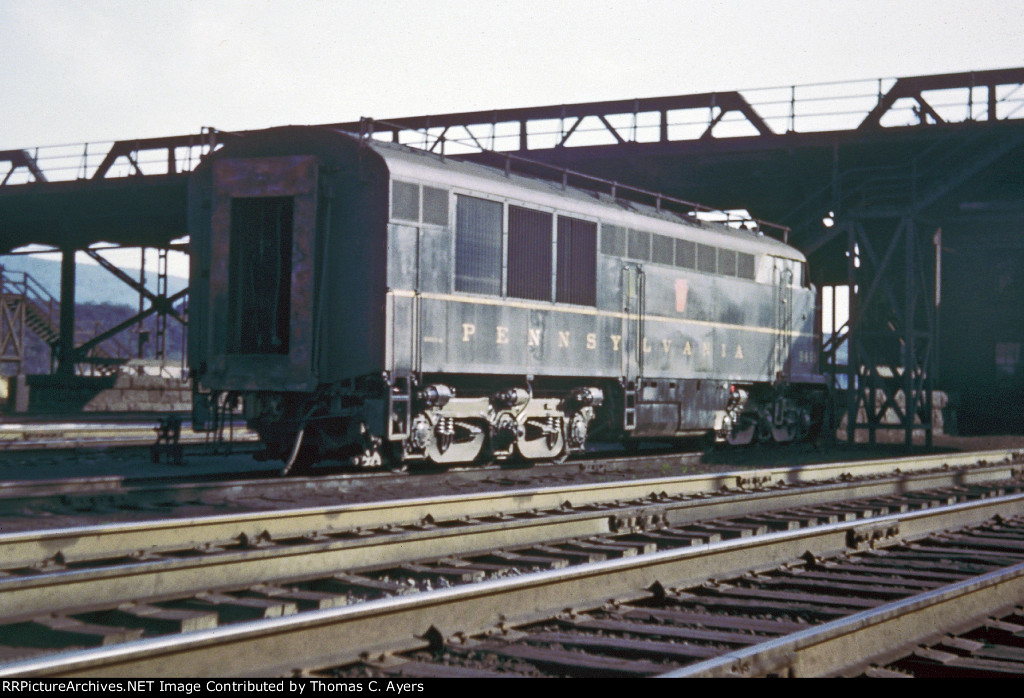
[891,334]
[66,347]
[12,324]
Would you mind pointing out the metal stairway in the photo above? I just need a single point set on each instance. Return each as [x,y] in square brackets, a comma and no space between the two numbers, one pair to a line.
[26,305]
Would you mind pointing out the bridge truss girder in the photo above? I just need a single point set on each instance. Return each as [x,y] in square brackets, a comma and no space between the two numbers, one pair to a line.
[892,331]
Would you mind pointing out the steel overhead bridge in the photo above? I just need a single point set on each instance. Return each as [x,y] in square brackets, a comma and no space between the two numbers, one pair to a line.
[791,155]
[788,154]
[875,179]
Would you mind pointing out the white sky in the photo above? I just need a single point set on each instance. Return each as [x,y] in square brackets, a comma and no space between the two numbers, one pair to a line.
[103,70]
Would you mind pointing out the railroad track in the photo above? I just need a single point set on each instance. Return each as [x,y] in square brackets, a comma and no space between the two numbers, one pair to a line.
[712,494]
[262,489]
[64,435]
[785,598]
[220,575]
[29,505]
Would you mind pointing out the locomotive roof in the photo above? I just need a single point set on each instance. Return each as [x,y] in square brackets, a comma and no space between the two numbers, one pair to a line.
[425,167]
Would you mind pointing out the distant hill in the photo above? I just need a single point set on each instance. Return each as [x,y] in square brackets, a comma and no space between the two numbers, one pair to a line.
[93,284]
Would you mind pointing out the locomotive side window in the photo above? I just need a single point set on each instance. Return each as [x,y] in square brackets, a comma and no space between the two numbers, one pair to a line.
[478,254]
[529,253]
[639,245]
[613,240]
[745,266]
[435,206]
[727,262]
[405,201]
[260,274]
[662,249]
[686,254]
[576,281]
[706,259]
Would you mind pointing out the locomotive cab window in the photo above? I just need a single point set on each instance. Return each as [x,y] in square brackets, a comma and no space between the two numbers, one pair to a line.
[776,270]
[259,274]
[478,253]
[797,269]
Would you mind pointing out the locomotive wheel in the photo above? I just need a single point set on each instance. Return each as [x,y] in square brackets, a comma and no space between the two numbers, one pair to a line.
[743,433]
[465,448]
[539,444]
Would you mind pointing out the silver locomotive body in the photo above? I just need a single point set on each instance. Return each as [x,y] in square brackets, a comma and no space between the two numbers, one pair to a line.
[370,301]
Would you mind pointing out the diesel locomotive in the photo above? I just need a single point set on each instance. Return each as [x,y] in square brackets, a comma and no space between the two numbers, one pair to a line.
[369,301]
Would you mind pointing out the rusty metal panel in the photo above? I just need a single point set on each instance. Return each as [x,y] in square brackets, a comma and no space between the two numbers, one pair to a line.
[478,245]
[529,253]
[577,261]
[294,178]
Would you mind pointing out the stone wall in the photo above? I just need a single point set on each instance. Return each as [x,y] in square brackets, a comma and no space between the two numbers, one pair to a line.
[119,393]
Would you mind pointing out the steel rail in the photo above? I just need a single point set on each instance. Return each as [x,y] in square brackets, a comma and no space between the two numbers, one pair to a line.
[317,639]
[17,437]
[110,540]
[263,561]
[16,494]
[855,641]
